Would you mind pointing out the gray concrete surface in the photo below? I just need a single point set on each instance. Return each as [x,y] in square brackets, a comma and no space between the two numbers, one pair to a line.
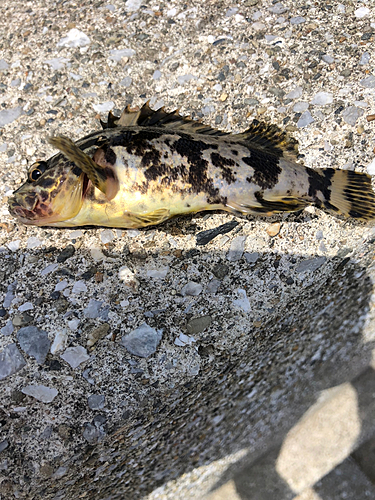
[210,411]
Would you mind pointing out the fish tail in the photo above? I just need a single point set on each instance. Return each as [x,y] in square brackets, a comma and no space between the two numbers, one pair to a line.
[343,192]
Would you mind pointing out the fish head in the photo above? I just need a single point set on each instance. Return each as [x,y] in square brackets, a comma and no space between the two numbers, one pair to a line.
[53,193]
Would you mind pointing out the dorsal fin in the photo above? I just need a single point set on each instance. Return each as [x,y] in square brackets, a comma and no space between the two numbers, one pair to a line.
[269,138]
[147,117]
[259,135]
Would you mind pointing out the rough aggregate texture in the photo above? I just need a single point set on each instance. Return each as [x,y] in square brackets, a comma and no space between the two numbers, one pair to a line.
[274,313]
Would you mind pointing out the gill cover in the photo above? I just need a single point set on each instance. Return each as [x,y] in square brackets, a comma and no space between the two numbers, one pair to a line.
[102,178]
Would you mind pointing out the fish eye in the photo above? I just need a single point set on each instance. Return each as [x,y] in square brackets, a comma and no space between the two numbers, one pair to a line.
[36,170]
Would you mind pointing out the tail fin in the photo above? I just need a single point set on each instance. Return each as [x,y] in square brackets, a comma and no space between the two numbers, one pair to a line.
[350,194]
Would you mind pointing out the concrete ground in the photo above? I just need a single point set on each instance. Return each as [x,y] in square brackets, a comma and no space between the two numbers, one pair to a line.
[260,387]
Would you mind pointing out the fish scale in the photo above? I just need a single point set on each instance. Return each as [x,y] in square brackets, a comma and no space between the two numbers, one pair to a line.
[147,166]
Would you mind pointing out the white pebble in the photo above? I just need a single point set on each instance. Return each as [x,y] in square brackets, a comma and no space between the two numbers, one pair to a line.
[157,74]
[73,324]
[362,12]
[27,306]
[117,55]
[258,26]
[14,245]
[371,168]
[191,288]
[104,107]
[57,63]
[8,328]
[322,98]
[33,242]
[365,58]
[132,5]
[328,59]
[75,234]
[297,20]
[40,392]
[361,104]
[3,65]
[74,76]
[59,342]
[351,114]
[236,249]
[132,233]
[126,82]
[231,12]
[128,278]
[305,119]
[300,107]
[278,8]
[184,340]
[49,269]
[182,79]
[295,93]
[97,254]
[75,356]
[79,287]
[107,236]
[327,146]
[160,273]
[74,38]
[242,302]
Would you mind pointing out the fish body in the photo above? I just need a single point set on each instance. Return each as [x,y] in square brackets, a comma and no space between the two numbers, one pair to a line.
[148,166]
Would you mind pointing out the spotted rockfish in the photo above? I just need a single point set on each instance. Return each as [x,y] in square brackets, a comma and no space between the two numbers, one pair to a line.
[148,166]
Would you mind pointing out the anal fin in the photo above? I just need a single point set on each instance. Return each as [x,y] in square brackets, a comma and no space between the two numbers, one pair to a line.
[266,206]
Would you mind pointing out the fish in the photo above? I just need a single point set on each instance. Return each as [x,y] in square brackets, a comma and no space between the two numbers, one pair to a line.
[147,166]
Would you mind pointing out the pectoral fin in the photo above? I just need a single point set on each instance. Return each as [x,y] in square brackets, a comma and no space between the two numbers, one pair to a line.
[102,178]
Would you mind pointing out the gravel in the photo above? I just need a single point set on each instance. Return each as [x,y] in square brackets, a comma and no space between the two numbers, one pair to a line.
[40,392]
[351,114]
[10,115]
[34,342]
[192,288]
[305,120]
[142,341]
[236,248]
[75,356]
[11,361]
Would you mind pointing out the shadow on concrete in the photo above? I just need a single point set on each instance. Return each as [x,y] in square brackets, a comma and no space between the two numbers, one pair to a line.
[259,373]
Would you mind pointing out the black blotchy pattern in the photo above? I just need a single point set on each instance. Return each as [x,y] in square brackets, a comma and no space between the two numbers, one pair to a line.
[266,169]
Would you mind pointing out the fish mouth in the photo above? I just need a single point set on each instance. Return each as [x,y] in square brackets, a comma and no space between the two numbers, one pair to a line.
[30,214]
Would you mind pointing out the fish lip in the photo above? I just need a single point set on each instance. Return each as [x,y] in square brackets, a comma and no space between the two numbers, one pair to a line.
[19,211]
